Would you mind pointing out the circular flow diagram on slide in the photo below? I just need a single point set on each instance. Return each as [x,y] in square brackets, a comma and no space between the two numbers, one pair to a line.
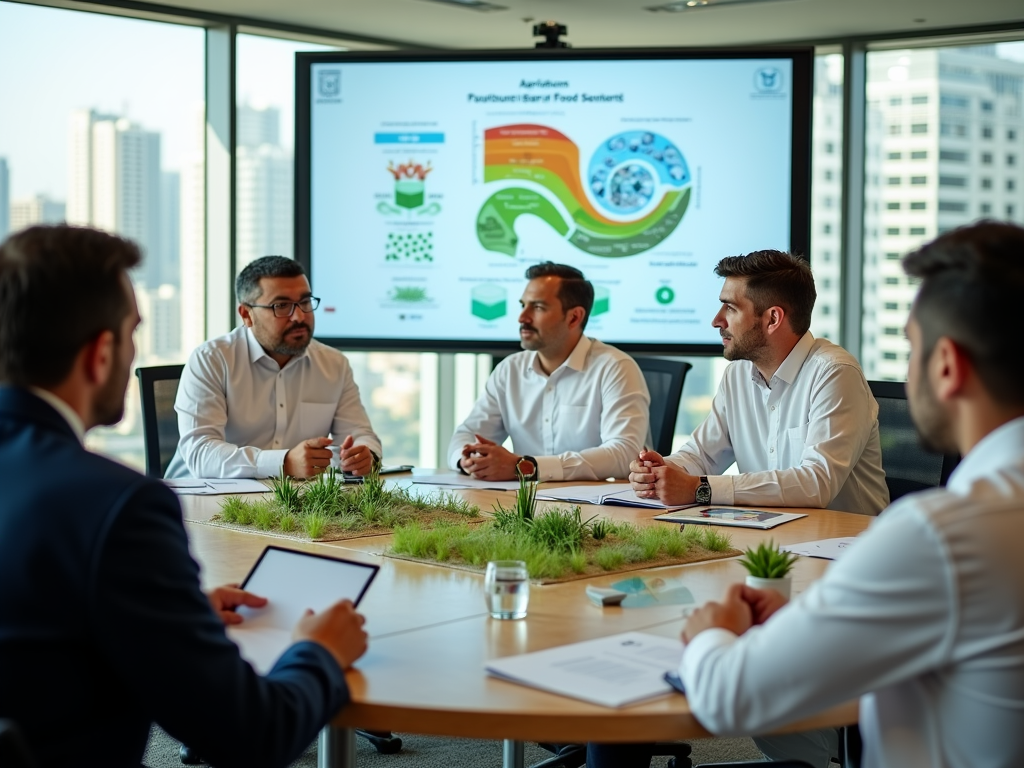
[625,175]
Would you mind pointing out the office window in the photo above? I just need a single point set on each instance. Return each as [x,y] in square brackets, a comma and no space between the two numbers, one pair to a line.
[919,155]
[992,75]
[895,101]
[112,139]
[1011,134]
[919,100]
[895,130]
[1011,185]
[389,383]
[894,181]
[892,206]
[919,128]
[1011,160]
[1010,211]
[894,156]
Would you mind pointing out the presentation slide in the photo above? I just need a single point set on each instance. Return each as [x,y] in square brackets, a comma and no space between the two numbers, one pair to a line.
[435,184]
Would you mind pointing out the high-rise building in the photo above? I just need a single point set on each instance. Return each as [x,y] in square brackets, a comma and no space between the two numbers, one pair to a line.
[193,235]
[35,210]
[114,182]
[170,229]
[5,198]
[950,128]
[159,336]
[264,186]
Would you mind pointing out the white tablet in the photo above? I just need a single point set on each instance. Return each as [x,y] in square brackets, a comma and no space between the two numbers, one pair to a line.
[292,582]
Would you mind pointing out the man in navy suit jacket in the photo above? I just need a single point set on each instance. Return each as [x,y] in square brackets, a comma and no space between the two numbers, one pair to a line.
[103,626]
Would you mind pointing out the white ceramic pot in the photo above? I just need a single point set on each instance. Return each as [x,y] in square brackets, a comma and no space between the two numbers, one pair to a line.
[783,586]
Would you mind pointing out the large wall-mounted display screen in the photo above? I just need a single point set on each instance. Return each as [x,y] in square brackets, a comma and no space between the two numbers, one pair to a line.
[425,185]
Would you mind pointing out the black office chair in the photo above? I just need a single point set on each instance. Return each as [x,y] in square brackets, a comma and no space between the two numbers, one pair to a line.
[158,387]
[14,752]
[908,467]
[665,380]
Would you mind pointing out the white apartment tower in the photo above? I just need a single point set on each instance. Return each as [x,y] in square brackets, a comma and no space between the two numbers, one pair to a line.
[951,133]
[35,210]
[114,181]
[264,186]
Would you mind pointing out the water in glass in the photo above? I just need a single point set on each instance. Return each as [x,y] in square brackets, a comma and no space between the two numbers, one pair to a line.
[507,587]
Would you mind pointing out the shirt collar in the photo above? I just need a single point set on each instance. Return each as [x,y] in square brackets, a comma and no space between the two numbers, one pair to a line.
[577,359]
[1002,447]
[795,359]
[70,416]
[257,352]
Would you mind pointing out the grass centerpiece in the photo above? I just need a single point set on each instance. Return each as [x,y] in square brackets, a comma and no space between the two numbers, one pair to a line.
[326,509]
[558,544]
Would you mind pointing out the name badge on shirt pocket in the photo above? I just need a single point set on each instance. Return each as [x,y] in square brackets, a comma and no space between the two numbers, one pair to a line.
[316,419]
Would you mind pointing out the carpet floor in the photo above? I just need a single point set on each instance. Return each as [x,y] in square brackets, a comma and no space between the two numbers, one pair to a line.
[435,752]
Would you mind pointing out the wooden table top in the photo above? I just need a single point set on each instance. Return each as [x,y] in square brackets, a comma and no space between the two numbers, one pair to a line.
[431,635]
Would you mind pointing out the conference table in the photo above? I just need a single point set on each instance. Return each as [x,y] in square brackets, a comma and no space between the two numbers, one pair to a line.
[431,635]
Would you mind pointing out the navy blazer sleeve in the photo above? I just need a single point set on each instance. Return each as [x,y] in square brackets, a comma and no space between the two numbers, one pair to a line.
[159,633]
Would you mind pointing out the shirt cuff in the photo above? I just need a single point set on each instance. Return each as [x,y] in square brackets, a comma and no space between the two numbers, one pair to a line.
[698,649]
[549,468]
[723,490]
[270,463]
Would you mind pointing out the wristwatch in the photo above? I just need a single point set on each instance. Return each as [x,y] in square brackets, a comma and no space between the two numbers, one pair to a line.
[532,474]
[703,494]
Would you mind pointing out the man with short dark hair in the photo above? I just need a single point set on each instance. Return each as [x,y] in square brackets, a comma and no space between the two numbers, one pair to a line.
[263,399]
[922,619]
[103,626]
[575,408]
[794,412]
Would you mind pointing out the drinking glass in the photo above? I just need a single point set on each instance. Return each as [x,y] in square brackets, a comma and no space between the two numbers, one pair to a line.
[507,589]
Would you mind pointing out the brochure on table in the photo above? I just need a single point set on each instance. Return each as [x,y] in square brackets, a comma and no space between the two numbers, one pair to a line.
[737,518]
[827,549]
[611,671]
[197,486]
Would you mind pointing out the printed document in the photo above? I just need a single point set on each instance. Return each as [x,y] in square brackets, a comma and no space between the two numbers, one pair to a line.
[611,671]
[827,549]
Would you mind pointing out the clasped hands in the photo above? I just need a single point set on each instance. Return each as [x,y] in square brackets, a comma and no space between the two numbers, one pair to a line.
[339,628]
[653,478]
[742,608]
[486,460]
[312,457]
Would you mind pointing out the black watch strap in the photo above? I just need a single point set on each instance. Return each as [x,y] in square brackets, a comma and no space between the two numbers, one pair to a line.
[703,493]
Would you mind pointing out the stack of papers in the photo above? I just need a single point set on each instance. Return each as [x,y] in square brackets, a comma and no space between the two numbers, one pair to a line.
[828,549]
[612,671]
[738,518]
[465,481]
[206,487]
[612,494]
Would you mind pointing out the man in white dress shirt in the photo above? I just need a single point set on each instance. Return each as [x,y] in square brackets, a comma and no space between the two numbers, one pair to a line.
[794,412]
[923,617]
[266,397]
[575,408]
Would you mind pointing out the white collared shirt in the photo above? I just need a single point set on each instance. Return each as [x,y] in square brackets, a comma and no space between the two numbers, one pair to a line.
[923,617]
[239,412]
[70,415]
[586,421]
[807,438]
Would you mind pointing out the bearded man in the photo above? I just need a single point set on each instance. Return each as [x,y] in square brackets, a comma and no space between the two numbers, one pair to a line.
[267,397]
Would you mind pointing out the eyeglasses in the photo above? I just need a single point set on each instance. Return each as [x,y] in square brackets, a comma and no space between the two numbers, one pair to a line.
[287,308]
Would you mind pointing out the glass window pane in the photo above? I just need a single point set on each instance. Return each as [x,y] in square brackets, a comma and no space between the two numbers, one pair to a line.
[389,384]
[956,108]
[116,147]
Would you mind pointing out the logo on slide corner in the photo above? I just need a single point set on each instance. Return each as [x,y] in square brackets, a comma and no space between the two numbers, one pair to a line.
[329,82]
[768,80]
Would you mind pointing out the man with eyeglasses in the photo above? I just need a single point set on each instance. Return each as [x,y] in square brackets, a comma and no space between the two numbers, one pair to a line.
[266,397]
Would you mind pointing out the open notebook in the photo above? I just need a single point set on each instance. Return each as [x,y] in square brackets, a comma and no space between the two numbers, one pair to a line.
[614,494]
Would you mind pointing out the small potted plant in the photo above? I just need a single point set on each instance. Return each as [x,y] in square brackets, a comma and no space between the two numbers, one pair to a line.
[768,567]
